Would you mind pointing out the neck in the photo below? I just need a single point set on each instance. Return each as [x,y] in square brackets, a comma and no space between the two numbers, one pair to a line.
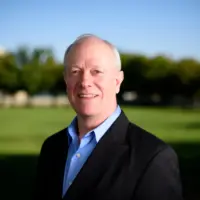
[88,123]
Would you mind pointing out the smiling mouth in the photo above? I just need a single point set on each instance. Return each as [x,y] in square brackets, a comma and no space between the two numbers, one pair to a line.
[87,96]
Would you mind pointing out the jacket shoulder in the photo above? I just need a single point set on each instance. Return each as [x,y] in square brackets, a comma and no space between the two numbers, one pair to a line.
[55,140]
[143,142]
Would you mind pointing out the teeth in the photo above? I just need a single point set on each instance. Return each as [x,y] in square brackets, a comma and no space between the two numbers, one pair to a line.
[87,95]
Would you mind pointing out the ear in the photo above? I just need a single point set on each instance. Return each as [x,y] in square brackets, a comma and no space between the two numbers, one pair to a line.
[119,79]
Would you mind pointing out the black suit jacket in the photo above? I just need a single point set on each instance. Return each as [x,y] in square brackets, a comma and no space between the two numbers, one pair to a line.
[128,163]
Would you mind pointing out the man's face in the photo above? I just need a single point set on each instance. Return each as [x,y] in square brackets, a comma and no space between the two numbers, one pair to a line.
[92,78]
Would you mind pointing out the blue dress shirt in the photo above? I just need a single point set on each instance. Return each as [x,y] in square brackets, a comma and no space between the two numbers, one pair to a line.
[78,153]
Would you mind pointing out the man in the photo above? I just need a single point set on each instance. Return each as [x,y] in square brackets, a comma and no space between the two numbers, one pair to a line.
[102,155]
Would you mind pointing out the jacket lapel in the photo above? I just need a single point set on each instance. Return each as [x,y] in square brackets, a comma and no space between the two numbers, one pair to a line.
[109,149]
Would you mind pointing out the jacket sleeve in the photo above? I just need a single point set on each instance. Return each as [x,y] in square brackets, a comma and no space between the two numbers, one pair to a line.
[161,179]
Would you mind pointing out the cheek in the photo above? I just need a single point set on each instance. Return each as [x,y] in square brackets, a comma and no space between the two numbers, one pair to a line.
[106,86]
[71,86]
[101,83]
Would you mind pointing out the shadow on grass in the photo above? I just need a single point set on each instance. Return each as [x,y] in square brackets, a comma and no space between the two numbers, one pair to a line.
[193,125]
[17,173]
[189,161]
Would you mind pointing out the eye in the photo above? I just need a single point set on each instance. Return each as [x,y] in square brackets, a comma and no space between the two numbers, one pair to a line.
[96,71]
[75,71]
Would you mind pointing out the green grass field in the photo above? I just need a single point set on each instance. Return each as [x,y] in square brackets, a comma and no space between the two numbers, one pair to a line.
[23,130]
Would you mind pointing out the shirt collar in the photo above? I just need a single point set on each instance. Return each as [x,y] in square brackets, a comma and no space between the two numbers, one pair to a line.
[99,131]
[103,127]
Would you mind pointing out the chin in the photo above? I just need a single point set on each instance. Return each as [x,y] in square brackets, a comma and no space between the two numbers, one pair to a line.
[86,111]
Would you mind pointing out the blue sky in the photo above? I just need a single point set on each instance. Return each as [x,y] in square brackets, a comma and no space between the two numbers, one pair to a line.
[151,27]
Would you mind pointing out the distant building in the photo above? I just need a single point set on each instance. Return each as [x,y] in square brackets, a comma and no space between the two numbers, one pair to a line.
[2,51]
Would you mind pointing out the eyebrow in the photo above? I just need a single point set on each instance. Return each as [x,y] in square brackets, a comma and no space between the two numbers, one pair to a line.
[74,66]
[96,66]
[92,66]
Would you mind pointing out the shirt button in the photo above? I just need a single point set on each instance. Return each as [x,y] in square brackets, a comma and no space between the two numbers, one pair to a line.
[78,155]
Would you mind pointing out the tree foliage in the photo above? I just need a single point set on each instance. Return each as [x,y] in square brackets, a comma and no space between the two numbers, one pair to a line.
[37,71]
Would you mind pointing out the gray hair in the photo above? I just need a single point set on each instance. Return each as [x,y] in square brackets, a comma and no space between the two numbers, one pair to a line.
[85,36]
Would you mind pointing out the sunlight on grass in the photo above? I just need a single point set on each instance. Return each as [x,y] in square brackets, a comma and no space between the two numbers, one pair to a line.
[23,130]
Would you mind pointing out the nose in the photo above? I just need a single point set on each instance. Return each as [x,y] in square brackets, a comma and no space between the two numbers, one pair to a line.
[85,79]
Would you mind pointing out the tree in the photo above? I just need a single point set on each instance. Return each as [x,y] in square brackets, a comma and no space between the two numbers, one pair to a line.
[189,72]
[8,73]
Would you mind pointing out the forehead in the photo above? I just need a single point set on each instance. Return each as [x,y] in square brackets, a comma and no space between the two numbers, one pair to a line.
[90,51]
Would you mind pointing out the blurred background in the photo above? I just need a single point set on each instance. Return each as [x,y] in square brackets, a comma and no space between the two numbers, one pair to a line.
[159,43]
